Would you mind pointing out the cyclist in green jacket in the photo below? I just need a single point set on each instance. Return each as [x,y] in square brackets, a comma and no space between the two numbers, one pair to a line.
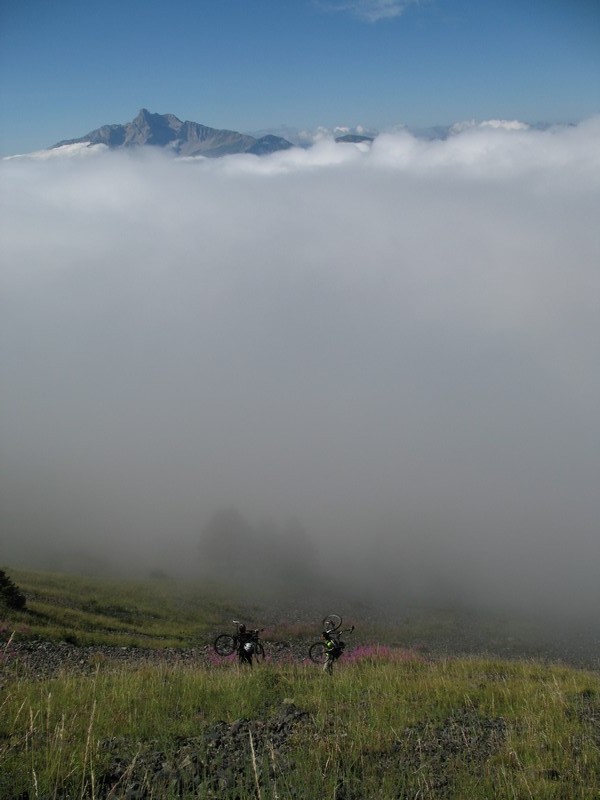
[333,650]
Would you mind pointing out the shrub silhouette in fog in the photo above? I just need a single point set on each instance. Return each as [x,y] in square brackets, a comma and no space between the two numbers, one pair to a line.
[10,594]
[235,550]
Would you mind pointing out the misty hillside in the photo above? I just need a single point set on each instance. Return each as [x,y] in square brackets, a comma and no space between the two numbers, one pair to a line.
[389,723]
[108,686]
[160,612]
[182,138]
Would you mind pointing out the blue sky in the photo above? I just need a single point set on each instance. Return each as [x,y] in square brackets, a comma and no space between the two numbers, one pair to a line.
[68,67]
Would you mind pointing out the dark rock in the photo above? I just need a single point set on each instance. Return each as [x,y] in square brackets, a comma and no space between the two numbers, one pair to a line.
[353,138]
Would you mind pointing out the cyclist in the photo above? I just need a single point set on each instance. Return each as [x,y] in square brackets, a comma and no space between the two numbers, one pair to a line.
[333,650]
[245,649]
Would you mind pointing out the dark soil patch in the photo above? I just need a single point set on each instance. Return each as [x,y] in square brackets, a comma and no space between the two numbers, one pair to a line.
[226,761]
[586,706]
[430,755]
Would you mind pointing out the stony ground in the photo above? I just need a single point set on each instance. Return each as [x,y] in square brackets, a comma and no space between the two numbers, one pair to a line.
[237,759]
[43,659]
[228,761]
[226,757]
[39,659]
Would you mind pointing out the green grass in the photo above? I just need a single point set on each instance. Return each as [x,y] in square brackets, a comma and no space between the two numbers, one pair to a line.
[388,724]
[378,729]
[84,610]
[163,613]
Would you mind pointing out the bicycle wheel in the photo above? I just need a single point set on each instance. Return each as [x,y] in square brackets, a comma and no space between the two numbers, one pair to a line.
[259,651]
[224,644]
[317,653]
[332,623]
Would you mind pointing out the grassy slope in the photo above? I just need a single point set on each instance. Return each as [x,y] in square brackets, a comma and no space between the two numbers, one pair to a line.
[85,610]
[160,613]
[387,725]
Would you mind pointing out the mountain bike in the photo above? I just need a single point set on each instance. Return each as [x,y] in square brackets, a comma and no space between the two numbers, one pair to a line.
[331,625]
[226,643]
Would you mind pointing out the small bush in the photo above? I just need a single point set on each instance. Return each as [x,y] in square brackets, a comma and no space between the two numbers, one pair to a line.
[10,595]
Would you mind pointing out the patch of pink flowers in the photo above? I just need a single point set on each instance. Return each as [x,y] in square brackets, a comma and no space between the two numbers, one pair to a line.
[215,660]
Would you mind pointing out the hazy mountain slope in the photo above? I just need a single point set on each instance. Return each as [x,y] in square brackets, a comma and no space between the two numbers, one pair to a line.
[182,138]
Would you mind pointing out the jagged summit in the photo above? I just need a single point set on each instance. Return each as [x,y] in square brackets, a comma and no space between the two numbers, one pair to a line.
[182,138]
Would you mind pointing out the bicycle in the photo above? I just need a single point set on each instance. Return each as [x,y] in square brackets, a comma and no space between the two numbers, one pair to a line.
[331,625]
[226,643]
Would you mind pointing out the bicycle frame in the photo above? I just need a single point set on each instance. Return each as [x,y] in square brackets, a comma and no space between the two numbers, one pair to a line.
[226,643]
[317,651]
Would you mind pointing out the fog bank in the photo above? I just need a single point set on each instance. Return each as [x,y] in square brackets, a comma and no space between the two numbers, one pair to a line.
[396,345]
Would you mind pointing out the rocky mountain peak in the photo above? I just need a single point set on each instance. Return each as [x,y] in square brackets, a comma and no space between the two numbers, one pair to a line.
[182,138]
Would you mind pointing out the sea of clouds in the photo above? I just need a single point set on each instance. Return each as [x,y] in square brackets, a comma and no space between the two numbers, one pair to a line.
[395,343]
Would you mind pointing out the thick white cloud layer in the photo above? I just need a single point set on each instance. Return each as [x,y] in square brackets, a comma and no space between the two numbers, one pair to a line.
[399,344]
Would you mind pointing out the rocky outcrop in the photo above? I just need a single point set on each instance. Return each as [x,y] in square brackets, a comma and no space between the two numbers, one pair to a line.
[182,138]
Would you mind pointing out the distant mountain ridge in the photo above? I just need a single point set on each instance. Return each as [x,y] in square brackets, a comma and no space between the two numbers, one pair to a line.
[168,132]
[182,138]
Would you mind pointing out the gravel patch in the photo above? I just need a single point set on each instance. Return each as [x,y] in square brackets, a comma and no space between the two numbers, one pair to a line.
[225,760]
[430,754]
[40,660]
